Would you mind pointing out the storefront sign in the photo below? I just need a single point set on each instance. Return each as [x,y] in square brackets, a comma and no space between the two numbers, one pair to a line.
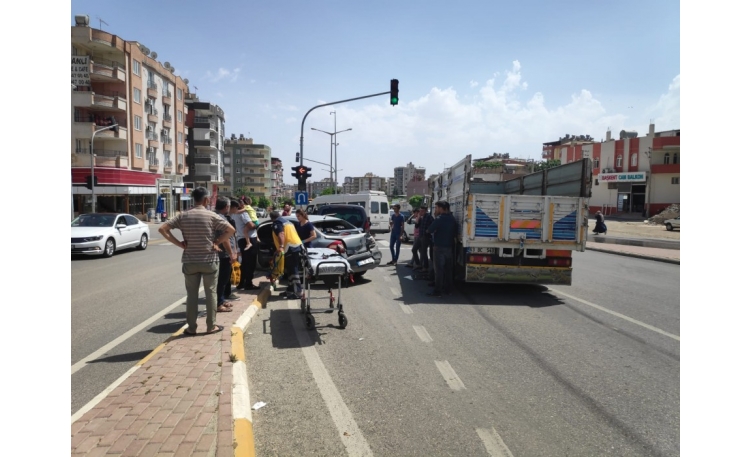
[638,176]
[79,69]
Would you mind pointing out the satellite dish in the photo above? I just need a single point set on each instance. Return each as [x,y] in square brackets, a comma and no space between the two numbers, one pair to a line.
[167,65]
[154,55]
[187,81]
[171,69]
[145,50]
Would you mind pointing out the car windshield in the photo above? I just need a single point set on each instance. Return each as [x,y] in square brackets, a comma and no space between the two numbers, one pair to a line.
[352,215]
[94,220]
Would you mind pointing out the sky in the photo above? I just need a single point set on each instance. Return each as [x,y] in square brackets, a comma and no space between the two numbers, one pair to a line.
[475,77]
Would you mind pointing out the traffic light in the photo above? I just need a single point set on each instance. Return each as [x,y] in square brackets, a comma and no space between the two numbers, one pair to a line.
[113,122]
[394,92]
[295,172]
[304,172]
[296,159]
[89,186]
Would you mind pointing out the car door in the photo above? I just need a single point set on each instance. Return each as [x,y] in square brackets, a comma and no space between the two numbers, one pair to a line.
[123,235]
[135,229]
[266,248]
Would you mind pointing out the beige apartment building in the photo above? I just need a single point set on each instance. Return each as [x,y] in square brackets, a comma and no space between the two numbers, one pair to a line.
[250,166]
[113,78]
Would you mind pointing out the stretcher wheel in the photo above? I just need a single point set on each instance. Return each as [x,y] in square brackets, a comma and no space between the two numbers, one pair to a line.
[310,322]
[342,320]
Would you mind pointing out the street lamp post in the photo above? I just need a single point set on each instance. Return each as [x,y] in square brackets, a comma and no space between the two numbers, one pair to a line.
[91,147]
[333,166]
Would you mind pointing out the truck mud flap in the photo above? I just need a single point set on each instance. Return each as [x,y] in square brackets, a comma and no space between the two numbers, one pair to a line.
[512,274]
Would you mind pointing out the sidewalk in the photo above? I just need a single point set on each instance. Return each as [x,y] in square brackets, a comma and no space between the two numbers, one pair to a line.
[178,401]
[657,254]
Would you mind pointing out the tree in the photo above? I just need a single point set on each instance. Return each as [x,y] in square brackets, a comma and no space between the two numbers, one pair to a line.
[241,192]
[416,201]
[328,191]
[264,202]
[547,165]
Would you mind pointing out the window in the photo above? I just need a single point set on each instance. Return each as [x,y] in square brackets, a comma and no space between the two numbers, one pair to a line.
[384,207]
[131,219]
[676,180]
[634,160]
[179,159]
[666,159]
[82,146]
[238,161]
[138,151]
[237,170]
[596,162]
[238,180]
[179,116]
[136,68]
[179,137]
[137,122]
[619,161]
[179,94]
[136,95]
[676,159]
[374,207]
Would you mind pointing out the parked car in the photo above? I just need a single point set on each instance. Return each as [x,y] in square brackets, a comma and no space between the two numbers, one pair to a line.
[361,249]
[261,212]
[672,224]
[104,233]
[353,214]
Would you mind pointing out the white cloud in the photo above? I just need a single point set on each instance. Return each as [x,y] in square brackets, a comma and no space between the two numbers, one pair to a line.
[666,112]
[223,74]
[290,120]
[473,83]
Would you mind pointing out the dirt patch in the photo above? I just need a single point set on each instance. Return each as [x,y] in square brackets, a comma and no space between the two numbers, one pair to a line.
[637,230]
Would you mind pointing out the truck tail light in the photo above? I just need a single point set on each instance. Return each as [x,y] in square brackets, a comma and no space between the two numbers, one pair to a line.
[559,258]
[478,258]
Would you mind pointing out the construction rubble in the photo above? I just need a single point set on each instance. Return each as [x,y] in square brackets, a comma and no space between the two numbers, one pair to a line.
[670,212]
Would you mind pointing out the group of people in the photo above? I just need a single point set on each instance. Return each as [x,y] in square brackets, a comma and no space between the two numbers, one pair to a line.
[434,248]
[212,241]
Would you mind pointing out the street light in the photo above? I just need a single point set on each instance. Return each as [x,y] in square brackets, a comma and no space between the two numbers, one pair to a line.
[332,143]
[114,127]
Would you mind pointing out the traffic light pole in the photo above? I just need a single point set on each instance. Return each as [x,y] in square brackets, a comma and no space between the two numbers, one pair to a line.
[93,186]
[301,184]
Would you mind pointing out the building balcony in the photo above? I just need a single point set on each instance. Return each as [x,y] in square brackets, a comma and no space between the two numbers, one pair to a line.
[166,98]
[100,100]
[107,71]
[153,140]
[151,89]
[205,144]
[167,121]
[103,158]
[168,167]
[152,116]
[166,143]
[204,123]
[153,164]
[665,168]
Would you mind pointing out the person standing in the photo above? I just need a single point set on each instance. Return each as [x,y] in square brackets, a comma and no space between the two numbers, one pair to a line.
[200,256]
[415,261]
[425,239]
[247,245]
[443,231]
[226,257]
[287,242]
[397,232]
[306,229]
[287,210]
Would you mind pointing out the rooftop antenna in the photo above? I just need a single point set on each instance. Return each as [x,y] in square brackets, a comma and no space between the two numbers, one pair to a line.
[101,21]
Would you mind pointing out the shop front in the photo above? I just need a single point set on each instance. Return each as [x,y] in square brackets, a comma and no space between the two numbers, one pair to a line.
[620,193]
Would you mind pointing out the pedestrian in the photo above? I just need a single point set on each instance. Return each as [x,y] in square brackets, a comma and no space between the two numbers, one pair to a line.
[287,242]
[227,256]
[600,226]
[415,261]
[287,210]
[443,231]
[425,239]
[397,232]
[200,256]
[247,245]
[306,230]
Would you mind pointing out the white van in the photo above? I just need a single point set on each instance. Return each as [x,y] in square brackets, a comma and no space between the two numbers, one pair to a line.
[374,202]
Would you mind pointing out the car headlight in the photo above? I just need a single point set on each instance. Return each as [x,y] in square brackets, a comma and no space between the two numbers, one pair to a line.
[93,238]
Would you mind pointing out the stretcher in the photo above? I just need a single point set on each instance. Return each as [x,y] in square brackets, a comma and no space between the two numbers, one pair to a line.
[330,267]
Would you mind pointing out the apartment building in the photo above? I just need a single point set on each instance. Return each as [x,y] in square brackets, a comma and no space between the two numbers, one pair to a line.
[316,188]
[402,176]
[248,165]
[120,80]
[632,174]
[205,138]
[369,181]
[277,178]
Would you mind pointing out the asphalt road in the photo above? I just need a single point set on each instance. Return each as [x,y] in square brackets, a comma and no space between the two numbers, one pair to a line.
[587,369]
[109,297]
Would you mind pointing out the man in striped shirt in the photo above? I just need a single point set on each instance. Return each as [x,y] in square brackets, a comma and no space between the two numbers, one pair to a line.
[200,256]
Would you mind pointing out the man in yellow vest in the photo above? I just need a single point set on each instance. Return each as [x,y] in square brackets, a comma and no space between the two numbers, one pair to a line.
[287,241]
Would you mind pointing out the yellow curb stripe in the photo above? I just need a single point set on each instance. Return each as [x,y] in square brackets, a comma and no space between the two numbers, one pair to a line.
[238,345]
[243,438]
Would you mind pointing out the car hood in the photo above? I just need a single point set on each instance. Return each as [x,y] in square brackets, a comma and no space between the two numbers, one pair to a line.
[82,232]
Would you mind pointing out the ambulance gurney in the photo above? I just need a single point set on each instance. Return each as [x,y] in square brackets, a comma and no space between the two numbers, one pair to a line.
[330,267]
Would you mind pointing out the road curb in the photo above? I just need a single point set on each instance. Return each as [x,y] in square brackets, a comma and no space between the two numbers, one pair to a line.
[244,439]
[637,256]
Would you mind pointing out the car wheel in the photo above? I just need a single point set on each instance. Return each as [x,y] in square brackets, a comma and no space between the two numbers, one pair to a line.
[669,227]
[109,248]
[144,243]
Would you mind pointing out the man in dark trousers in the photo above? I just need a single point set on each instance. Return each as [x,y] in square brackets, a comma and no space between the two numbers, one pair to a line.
[226,257]
[443,231]
[425,239]
[249,254]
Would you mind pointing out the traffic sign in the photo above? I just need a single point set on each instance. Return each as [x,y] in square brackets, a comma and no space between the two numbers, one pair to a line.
[300,198]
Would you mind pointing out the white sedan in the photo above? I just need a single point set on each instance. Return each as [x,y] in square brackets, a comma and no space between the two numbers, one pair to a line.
[103,234]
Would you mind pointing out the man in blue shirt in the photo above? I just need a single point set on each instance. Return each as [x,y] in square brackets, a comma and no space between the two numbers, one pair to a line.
[397,232]
[443,231]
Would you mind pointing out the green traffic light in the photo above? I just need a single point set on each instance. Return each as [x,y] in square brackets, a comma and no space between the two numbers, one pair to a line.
[394,101]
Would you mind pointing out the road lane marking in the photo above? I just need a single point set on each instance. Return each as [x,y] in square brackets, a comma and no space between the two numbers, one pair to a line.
[406,309]
[450,376]
[109,346]
[395,292]
[349,433]
[387,278]
[493,442]
[614,313]
[422,333]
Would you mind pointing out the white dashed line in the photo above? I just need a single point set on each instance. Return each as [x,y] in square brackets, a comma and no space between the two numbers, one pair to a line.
[493,442]
[395,292]
[422,333]
[406,309]
[454,382]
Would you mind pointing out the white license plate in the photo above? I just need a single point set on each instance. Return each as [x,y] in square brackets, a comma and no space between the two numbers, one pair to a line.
[365,262]
[483,250]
